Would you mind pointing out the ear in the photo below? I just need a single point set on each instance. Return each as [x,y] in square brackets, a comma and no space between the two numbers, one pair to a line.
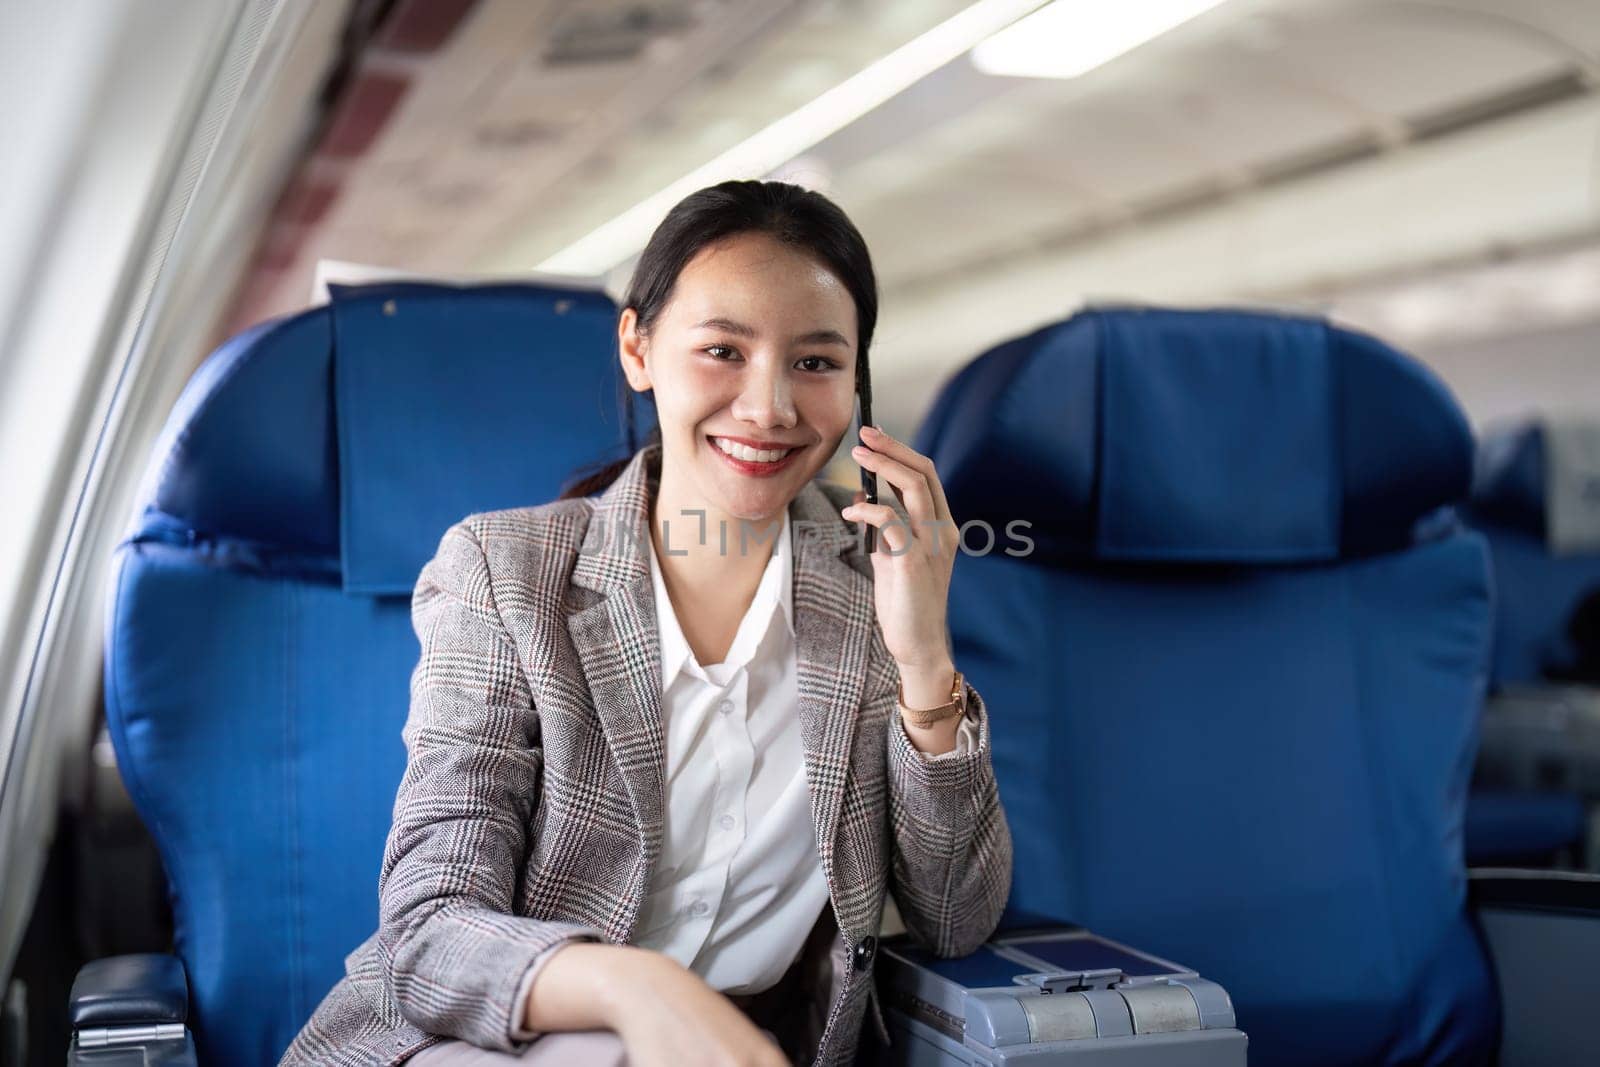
[632,345]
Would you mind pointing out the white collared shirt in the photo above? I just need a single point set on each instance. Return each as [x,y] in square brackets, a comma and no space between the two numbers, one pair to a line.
[738,884]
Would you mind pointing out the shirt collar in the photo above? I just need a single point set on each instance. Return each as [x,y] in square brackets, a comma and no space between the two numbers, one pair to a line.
[774,595]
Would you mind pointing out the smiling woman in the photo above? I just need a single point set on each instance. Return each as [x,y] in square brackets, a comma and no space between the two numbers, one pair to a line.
[807,262]
[422,470]
[707,752]
[738,376]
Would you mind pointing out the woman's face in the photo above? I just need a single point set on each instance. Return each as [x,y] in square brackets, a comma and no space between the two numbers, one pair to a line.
[756,347]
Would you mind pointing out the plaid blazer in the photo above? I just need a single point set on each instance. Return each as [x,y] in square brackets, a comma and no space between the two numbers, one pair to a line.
[530,811]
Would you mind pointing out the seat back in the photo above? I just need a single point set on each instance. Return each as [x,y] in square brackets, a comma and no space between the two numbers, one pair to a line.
[1536,497]
[1236,694]
[259,645]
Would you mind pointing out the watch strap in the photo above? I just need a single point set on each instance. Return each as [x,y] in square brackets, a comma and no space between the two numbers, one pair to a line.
[925,717]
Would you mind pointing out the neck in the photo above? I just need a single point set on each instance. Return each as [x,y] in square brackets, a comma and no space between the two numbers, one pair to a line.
[702,545]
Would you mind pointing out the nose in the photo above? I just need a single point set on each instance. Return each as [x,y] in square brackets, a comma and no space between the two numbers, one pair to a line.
[766,398]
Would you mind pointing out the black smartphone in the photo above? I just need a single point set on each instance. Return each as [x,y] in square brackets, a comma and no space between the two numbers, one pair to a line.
[869,480]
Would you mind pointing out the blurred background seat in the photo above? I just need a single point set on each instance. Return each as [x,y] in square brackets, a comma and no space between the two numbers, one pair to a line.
[259,641]
[1536,498]
[1241,662]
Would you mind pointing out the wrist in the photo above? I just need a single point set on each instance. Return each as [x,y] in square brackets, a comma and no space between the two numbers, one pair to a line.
[584,985]
[926,686]
[615,983]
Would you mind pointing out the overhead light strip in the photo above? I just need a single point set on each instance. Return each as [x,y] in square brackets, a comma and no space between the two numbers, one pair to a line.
[1072,37]
[765,151]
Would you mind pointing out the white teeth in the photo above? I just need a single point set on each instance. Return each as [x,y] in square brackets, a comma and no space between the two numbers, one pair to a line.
[748,454]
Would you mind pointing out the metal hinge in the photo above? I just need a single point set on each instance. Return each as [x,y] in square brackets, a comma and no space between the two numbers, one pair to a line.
[1072,981]
[102,1036]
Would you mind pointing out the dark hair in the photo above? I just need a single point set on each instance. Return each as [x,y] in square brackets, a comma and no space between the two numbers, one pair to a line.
[795,216]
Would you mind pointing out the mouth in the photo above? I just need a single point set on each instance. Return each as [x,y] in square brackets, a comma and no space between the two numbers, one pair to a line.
[760,462]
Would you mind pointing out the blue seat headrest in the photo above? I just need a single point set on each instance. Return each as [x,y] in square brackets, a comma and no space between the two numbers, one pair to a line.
[1508,480]
[357,432]
[1166,436]
[1542,478]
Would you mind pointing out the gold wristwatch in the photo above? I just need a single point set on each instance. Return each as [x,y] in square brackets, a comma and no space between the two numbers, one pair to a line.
[922,718]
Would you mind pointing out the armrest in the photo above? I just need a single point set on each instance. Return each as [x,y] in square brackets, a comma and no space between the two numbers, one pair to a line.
[1543,933]
[122,990]
[1023,995]
[131,1009]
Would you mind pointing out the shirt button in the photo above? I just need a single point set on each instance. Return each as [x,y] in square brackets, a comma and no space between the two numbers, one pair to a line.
[726,822]
[725,707]
[699,909]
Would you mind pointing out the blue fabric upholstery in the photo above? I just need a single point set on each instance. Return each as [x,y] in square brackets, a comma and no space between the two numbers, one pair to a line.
[255,704]
[1517,828]
[1109,412]
[257,725]
[1250,754]
[1157,371]
[414,409]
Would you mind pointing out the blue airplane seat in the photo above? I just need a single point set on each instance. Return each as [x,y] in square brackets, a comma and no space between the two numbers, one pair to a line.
[1240,647]
[1540,576]
[1540,579]
[259,646]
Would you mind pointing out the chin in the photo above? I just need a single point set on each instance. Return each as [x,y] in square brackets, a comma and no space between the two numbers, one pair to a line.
[755,503]
[748,503]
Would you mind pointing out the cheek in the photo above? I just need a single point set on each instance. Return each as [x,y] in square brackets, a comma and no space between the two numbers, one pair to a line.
[688,390]
[830,405]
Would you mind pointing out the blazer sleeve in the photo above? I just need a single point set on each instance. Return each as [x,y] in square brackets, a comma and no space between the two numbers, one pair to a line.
[455,952]
[951,869]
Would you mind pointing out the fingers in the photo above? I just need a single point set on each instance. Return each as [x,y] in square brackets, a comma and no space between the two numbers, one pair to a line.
[911,485]
[917,482]
[890,526]
[911,459]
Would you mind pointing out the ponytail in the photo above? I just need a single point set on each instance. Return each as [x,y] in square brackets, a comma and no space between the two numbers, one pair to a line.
[593,479]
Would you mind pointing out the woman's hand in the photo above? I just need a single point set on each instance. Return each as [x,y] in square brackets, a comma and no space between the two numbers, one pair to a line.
[670,1017]
[911,576]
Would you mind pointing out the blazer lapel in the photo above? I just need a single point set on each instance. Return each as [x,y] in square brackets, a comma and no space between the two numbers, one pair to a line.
[613,629]
[833,617]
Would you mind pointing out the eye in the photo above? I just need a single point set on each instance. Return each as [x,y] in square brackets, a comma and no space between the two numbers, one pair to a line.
[713,350]
[825,363]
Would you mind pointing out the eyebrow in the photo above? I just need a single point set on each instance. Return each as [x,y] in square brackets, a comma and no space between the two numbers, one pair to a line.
[815,337]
